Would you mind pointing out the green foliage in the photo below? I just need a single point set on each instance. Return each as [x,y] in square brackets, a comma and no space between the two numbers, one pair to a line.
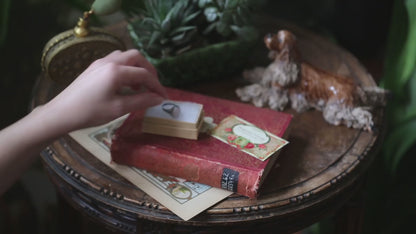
[165,27]
[209,63]
[400,78]
[105,7]
[228,18]
[4,20]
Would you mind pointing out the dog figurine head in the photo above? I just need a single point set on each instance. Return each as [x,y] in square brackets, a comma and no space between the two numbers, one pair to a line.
[285,69]
[281,45]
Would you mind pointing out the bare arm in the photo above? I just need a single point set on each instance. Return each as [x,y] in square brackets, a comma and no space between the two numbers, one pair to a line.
[94,98]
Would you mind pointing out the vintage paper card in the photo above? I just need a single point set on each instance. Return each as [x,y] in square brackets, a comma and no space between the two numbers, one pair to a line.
[184,198]
[250,139]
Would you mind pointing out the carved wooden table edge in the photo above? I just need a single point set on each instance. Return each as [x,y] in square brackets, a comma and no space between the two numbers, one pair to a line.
[122,212]
[104,205]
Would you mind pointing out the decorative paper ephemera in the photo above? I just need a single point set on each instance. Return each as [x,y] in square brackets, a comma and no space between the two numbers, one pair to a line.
[250,139]
[184,198]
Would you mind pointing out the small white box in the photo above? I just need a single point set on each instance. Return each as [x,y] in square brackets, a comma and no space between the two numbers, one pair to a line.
[174,118]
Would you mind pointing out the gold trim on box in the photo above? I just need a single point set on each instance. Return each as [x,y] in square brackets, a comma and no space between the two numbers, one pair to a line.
[68,54]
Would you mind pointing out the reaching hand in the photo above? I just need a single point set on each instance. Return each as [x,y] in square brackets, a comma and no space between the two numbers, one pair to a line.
[97,96]
[94,98]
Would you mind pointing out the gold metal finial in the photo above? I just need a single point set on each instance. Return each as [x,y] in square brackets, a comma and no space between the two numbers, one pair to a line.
[81,30]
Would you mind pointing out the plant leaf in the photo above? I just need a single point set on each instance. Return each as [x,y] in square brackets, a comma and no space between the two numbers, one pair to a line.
[221,4]
[153,8]
[155,37]
[178,37]
[174,11]
[232,3]
[209,29]
[401,52]
[190,17]
[132,32]
[105,7]
[412,89]
[223,29]
[400,78]
[410,47]
[398,143]
[409,108]
[203,3]
[182,29]
[166,25]
[211,14]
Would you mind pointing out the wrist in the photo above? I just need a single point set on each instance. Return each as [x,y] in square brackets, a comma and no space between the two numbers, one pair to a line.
[49,122]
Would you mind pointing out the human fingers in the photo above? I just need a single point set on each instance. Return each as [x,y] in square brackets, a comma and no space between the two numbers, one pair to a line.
[130,57]
[139,77]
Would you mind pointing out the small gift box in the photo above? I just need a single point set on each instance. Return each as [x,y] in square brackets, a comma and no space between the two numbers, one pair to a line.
[175,119]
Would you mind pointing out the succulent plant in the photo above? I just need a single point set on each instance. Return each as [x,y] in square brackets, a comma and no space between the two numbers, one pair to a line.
[164,27]
[229,18]
[193,40]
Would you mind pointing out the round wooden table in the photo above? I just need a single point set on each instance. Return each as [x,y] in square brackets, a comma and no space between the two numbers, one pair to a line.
[314,176]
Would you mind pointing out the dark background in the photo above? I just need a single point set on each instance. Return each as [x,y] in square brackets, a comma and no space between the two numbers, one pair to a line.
[30,206]
[359,26]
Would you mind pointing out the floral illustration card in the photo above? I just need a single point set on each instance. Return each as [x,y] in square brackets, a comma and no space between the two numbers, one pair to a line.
[245,136]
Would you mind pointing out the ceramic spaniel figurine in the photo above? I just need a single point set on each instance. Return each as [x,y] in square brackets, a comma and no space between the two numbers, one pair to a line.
[289,80]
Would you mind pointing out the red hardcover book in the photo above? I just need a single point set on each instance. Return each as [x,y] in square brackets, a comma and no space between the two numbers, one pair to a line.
[206,160]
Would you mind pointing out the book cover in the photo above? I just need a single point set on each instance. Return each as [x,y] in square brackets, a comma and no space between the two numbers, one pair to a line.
[207,160]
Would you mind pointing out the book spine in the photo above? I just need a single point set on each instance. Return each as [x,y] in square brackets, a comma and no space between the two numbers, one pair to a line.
[216,174]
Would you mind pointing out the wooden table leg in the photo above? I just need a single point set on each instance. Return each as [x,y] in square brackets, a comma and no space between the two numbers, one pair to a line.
[72,221]
[349,218]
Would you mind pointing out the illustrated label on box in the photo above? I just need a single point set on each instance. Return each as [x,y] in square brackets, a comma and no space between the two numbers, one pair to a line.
[245,136]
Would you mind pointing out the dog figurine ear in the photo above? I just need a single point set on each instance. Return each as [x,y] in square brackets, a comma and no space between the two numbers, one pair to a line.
[283,39]
[286,39]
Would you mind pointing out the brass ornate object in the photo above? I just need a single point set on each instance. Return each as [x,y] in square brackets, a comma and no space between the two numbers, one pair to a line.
[67,54]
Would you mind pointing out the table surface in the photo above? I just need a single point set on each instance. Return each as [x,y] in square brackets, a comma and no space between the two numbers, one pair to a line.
[314,175]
